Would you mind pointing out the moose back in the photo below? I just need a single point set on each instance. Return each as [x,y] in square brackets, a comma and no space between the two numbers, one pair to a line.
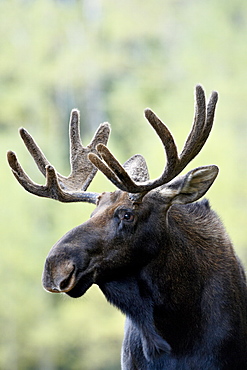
[156,252]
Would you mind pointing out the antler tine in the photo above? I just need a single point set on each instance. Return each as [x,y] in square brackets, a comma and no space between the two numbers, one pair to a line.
[210,112]
[25,180]
[34,150]
[106,171]
[203,122]
[64,189]
[74,135]
[169,146]
[19,173]
[198,125]
[125,181]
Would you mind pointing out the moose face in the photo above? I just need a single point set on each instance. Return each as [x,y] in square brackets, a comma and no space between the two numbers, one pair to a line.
[110,244]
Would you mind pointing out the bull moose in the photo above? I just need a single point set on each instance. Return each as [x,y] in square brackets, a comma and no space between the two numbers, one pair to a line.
[166,262]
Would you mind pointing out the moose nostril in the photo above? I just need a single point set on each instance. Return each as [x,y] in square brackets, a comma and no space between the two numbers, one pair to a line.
[55,290]
[65,283]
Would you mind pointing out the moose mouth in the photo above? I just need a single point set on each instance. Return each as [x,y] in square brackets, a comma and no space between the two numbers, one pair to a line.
[80,288]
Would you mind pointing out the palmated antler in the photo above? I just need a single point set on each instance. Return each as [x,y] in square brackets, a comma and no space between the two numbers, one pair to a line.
[203,121]
[64,189]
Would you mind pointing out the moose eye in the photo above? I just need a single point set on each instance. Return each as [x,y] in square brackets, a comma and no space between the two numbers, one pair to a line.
[128,216]
[125,215]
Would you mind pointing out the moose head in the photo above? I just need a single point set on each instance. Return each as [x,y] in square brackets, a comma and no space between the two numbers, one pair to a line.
[153,253]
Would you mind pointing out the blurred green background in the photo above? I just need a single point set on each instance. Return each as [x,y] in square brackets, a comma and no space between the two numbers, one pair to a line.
[111,59]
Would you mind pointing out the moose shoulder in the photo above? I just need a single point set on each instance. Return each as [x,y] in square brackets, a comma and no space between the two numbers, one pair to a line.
[167,263]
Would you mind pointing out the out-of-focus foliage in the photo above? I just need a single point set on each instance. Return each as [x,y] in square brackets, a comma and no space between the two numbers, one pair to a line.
[110,59]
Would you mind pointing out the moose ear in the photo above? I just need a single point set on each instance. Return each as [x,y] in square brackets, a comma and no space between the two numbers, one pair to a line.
[136,168]
[190,187]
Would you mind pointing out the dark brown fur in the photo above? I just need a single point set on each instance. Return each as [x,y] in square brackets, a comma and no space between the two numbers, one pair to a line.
[174,275]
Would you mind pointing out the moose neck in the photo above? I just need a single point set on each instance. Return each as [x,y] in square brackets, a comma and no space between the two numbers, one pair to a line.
[132,296]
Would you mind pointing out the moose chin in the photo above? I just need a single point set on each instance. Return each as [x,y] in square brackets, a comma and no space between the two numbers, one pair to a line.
[158,253]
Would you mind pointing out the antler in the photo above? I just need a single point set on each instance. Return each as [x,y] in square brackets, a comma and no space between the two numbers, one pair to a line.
[203,121]
[64,189]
